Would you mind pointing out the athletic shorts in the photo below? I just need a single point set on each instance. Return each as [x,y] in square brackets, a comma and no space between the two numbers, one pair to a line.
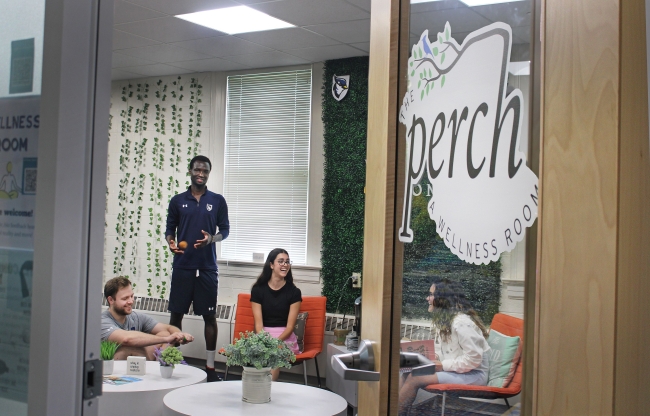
[187,287]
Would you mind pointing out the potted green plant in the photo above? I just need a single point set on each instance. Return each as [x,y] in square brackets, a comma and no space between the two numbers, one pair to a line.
[107,351]
[257,354]
[168,358]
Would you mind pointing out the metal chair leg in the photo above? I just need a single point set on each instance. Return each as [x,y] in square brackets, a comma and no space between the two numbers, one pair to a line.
[507,404]
[317,372]
[444,396]
[304,370]
[225,375]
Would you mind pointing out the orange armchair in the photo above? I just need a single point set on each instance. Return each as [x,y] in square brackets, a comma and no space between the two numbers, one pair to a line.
[507,325]
[314,327]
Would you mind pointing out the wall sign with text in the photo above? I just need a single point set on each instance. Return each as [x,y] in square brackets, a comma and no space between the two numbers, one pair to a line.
[464,129]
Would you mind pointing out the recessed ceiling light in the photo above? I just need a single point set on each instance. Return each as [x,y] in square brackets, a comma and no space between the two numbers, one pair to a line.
[232,20]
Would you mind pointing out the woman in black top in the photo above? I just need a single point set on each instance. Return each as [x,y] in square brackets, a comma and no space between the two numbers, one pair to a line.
[275,301]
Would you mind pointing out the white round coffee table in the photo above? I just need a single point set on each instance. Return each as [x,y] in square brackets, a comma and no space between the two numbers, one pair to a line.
[224,398]
[145,397]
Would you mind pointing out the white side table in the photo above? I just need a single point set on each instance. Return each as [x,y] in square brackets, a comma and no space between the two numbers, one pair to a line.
[345,388]
[225,398]
[144,398]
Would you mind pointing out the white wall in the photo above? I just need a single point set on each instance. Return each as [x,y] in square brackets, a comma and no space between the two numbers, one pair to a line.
[29,25]
[235,277]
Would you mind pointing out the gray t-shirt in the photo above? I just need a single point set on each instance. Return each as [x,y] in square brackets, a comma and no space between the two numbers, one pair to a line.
[134,322]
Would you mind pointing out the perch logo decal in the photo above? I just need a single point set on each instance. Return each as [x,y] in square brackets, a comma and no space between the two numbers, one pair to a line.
[184,205]
[209,207]
[340,86]
[463,128]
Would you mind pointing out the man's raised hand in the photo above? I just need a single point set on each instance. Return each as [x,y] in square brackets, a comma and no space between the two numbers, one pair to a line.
[207,238]
[174,249]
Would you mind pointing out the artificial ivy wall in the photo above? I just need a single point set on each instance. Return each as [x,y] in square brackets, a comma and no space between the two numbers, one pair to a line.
[156,127]
[344,125]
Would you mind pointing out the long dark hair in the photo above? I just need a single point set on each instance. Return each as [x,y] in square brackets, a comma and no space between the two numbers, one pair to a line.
[448,301]
[265,276]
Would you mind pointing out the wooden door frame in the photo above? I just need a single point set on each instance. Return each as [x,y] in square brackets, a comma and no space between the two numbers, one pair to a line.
[379,241]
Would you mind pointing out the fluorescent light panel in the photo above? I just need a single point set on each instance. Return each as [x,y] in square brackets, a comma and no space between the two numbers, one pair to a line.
[472,3]
[233,20]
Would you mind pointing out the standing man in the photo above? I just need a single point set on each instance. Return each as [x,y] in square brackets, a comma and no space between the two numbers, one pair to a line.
[198,218]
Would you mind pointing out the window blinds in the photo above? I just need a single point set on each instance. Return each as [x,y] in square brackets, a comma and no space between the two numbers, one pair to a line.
[266,178]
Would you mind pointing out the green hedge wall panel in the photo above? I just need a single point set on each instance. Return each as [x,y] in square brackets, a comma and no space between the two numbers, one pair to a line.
[344,124]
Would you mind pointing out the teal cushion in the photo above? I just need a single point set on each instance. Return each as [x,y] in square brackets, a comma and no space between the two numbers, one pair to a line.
[503,357]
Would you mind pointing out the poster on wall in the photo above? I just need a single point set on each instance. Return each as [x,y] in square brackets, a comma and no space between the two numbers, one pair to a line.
[19,124]
[463,128]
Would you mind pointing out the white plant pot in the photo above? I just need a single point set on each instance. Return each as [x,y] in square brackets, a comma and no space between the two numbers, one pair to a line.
[256,385]
[166,371]
[107,367]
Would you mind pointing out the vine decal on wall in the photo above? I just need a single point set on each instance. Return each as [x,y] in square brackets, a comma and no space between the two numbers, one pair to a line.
[155,131]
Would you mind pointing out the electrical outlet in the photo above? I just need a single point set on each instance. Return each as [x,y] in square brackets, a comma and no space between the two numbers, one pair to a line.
[356,280]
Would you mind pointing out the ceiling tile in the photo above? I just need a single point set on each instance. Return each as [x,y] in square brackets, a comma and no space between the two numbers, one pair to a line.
[222,46]
[214,64]
[364,46]
[117,74]
[174,7]
[364,4]
[121,61]
[269,59]
[164,54]
[122,40]
[430,6]
[460,20]
[157,70]
[167,29]
[312,12]
[325,53]
[515,13]
[284,39]
[126,12]
[345,32]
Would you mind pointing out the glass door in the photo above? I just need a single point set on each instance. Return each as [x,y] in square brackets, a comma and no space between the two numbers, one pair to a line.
[466,196]
[21,52]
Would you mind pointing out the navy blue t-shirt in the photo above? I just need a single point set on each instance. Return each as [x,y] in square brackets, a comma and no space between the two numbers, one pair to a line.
[186,218]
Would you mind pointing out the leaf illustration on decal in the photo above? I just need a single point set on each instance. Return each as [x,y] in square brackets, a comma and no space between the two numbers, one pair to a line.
[429,60]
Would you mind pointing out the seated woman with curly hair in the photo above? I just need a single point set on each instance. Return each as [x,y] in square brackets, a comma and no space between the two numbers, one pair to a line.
[460,343]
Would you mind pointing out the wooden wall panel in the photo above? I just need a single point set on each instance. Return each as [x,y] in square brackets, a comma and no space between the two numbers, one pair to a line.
[578,219]
[380,199]
[632,380]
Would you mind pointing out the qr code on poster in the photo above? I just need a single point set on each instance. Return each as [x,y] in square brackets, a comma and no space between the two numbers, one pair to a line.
[30,181]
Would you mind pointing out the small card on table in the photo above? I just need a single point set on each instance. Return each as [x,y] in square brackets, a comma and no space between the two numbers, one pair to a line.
[136,365]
